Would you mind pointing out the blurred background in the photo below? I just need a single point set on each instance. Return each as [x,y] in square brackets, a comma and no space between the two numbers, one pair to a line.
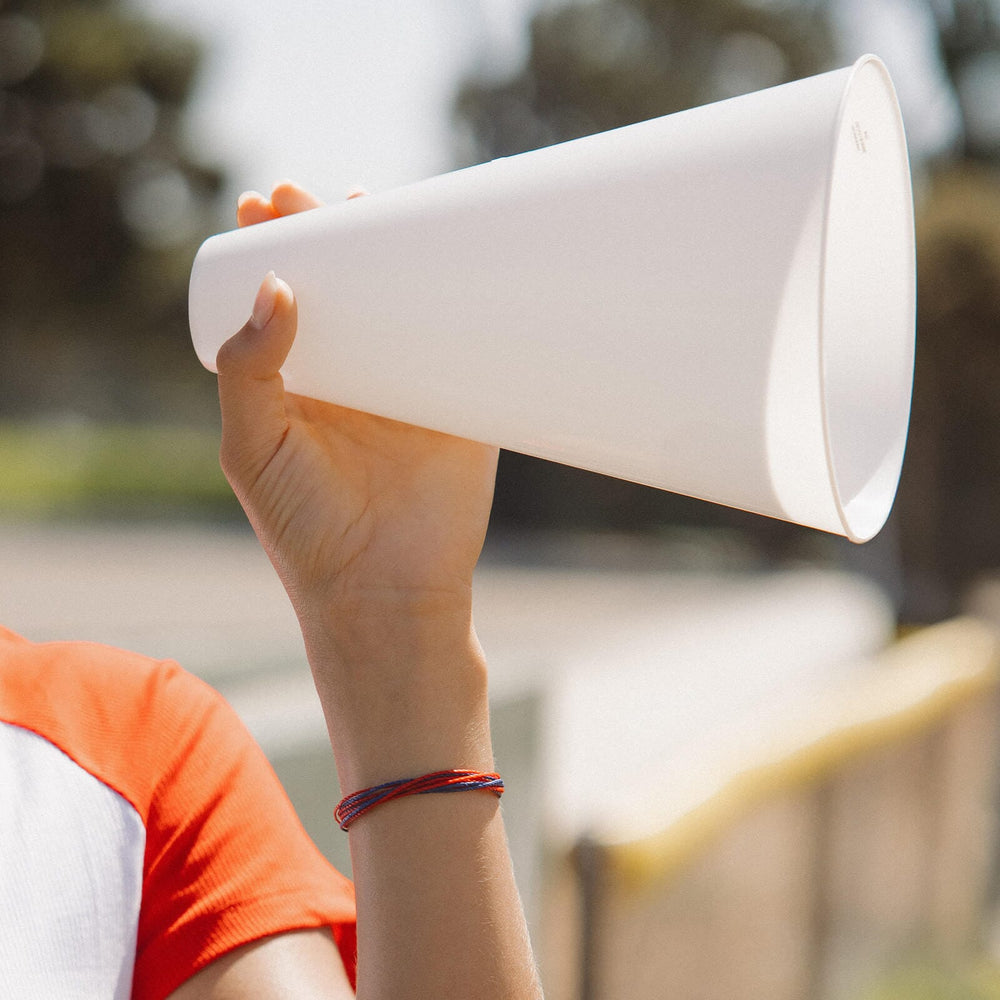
[127,129]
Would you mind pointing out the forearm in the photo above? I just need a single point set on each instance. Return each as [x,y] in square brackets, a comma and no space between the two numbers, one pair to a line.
[439,914]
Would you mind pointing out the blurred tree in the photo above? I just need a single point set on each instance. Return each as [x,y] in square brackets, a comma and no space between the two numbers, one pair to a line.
[101,206]
[599,65]
[949,495]
[950,491]
[968,41]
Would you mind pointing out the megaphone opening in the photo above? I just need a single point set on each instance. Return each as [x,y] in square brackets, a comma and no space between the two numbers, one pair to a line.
[868,302]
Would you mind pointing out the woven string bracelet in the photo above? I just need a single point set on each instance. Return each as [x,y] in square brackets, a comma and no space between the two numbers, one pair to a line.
[352,806]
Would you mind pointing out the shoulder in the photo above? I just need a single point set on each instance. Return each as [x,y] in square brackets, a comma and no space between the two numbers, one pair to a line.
[119,715]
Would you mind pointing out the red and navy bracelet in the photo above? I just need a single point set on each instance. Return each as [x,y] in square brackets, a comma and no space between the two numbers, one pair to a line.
[352,806]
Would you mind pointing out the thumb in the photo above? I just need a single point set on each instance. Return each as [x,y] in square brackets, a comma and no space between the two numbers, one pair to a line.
[251,389]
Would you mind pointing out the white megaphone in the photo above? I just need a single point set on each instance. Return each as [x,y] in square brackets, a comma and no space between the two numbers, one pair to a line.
[718,303]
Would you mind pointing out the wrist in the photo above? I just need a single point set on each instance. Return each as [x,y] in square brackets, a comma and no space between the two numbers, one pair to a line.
[403,695]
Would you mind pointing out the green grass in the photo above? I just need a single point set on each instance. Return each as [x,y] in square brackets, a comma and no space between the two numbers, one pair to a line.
[73,469]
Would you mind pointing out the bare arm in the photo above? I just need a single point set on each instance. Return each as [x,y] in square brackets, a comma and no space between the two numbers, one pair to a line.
[374,528]
[302,964]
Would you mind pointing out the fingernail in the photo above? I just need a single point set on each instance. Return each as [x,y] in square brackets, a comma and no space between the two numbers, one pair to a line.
[248,196]
[263,306]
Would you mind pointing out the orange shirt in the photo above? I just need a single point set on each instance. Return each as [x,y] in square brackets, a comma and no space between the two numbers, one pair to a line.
[149,768]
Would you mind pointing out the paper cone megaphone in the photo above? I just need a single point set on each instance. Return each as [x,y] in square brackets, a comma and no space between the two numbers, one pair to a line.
[719,302]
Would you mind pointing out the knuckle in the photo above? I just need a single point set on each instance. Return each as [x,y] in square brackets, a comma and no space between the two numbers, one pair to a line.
[231,355]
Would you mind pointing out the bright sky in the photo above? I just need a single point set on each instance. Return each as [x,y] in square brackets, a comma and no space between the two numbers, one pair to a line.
[336,93]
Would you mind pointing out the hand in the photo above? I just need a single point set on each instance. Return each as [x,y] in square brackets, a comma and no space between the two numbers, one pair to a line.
[354,510]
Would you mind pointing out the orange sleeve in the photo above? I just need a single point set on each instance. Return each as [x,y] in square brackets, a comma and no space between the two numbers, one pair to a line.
[227,861]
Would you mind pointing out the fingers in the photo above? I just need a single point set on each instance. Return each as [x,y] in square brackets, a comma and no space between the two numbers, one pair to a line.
[286,199]
[251,390]
[252,208]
